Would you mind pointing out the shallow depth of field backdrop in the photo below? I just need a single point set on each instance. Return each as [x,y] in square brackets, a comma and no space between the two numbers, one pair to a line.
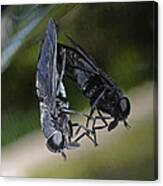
[120,37]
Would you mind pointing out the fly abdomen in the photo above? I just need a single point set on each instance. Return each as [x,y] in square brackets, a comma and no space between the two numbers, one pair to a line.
[93,88]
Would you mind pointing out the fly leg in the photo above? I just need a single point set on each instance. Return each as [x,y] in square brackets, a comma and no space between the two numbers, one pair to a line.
[87,122]
[126,124]
[81,126]
[92,111]
[113,124]
[94,107]
[74,144]
[103,118]
[71,145]
[87,134]
[94,128]
[89,117]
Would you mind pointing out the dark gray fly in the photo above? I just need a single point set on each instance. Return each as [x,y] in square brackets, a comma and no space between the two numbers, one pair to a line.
[103,94]
[54,106]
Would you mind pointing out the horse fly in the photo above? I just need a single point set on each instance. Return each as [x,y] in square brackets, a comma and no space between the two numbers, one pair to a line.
[101,91]
[54,106]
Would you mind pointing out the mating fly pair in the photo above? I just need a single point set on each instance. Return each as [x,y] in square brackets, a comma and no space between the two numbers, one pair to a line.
[103,94]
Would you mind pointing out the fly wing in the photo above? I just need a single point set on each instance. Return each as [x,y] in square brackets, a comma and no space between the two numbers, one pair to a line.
[47,74]
[83,53]
[90,64]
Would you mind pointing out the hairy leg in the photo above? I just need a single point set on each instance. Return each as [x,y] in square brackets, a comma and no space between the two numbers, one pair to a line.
[85,133]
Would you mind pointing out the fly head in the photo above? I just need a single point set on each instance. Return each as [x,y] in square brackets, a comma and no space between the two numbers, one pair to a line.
[122,111]
[123,108]
[56,142]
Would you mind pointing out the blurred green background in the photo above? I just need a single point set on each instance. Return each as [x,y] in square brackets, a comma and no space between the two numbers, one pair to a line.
[120,37]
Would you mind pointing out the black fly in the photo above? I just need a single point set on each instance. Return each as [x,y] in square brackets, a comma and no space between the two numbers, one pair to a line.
[54,106]
[102,92]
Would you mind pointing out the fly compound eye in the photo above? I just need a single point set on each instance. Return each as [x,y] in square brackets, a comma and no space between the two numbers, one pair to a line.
[56,142]
[57,138]
[124,106]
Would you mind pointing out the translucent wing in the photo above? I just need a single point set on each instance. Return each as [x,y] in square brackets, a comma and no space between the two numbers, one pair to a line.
[90,61]
[47,75]
[86,64]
